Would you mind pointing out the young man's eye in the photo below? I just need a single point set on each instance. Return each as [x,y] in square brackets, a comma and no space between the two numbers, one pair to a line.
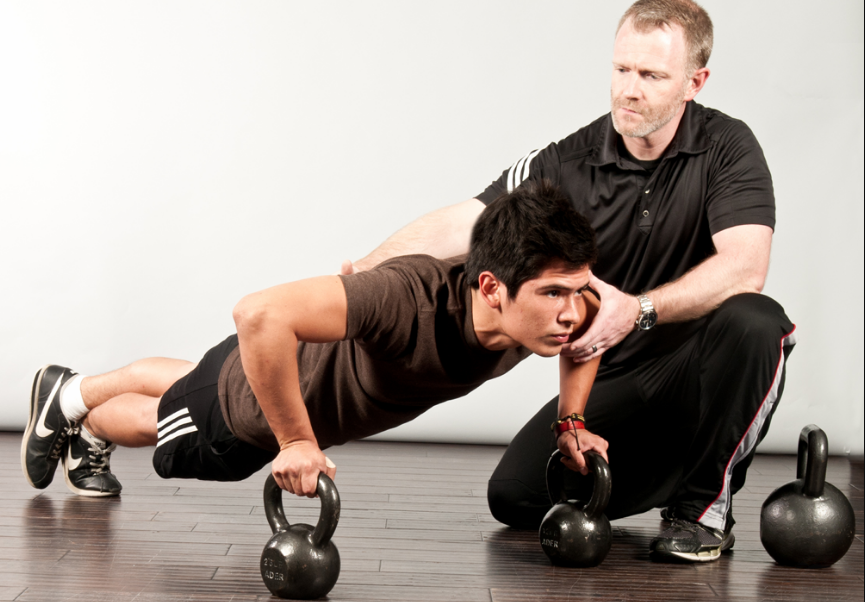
[552,294]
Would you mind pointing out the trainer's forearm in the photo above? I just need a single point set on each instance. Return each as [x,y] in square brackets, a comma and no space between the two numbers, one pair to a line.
[739,266]
[442,233]
[695,294]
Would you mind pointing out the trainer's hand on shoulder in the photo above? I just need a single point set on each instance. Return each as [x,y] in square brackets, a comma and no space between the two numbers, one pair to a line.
[615,320]
[347,268]
[588,441]
[297,466]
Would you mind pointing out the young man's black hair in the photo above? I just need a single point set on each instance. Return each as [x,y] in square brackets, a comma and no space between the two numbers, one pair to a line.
[521,233]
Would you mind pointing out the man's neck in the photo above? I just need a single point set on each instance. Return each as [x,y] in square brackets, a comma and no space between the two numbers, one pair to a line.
[652,146]
[487,324]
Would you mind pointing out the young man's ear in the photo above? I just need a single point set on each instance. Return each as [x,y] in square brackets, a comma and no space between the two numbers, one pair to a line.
[491,289]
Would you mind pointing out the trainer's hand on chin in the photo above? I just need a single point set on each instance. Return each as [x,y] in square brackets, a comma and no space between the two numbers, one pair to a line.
[615,320]
[297,466]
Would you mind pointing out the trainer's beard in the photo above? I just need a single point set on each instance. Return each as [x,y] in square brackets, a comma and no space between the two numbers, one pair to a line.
[654,118]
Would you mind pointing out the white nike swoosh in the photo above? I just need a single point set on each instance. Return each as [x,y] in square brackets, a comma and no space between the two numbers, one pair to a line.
[71,463]
[42,430]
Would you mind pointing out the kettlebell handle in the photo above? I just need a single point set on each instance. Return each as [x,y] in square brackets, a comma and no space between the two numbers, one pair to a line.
[327,520]
[812,459]
[602,488]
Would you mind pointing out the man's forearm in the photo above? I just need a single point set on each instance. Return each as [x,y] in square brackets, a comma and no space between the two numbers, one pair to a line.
[740,266]
[575,384]
[269,325]
[271,370]
[442,233]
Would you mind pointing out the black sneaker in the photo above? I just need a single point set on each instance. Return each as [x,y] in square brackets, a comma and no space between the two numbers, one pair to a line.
[86,466]
[693,542]
[48,429]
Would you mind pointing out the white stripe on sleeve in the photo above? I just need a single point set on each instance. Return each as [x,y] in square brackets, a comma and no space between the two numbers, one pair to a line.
[519,171]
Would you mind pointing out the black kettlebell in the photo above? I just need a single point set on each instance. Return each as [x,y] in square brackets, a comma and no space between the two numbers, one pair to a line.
[572,533]
[300,562]
[809,522]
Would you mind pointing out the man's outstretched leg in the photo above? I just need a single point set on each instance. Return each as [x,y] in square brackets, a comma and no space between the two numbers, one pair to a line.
[124,406]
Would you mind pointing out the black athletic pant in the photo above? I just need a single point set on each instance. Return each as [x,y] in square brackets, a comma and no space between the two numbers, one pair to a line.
[682,428]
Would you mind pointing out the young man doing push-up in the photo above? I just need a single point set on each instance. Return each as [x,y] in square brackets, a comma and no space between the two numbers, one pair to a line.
[327,360]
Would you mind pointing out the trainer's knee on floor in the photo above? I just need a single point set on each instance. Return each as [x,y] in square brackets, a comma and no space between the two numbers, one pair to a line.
[515,505]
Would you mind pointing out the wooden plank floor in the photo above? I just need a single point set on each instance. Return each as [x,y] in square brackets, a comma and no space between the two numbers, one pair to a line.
[414,527]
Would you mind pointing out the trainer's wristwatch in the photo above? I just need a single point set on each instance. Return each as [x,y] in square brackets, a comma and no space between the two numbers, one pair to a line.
[648,316]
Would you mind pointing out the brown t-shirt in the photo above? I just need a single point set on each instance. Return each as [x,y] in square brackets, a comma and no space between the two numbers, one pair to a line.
[410,344]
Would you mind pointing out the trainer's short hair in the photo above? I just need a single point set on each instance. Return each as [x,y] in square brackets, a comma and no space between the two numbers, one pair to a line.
[647,15]
[521,233]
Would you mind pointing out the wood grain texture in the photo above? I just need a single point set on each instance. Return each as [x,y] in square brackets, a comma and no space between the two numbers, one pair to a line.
[414,527]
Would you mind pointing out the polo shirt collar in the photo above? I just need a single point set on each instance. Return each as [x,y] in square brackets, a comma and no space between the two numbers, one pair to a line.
[690,138]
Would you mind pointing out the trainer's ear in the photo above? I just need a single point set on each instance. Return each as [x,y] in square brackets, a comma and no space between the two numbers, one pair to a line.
[491,289]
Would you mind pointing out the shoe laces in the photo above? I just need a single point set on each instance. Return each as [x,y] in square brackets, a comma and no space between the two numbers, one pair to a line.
[678,525]
[99,453]
[57,449]
[685,525]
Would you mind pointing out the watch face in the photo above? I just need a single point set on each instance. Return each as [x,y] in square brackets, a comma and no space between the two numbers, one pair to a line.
[647,320]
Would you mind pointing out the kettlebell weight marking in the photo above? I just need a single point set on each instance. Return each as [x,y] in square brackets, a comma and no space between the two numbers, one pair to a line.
[273,576]
[269,562]
[550,537]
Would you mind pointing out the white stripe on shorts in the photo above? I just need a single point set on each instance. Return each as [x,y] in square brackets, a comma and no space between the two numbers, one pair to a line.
[175,434]
[174,426]
[168,419]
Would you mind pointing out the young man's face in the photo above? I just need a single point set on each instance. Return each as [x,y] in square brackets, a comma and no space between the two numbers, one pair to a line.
[546,309]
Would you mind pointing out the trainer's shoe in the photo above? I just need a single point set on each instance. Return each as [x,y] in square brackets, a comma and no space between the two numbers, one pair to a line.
[693,542]
[86,465]
[47,429]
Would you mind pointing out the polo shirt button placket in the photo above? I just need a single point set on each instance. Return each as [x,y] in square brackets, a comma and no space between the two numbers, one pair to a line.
[645,221]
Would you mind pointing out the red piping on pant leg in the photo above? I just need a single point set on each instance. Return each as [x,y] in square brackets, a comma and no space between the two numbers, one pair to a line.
[722,502]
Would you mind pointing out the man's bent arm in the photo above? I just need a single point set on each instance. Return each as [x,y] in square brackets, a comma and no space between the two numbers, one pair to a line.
[269,325]
[575,384]
[739,266]
[442,233]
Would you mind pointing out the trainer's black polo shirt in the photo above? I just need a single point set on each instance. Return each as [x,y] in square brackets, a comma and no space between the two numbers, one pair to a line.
[653,227]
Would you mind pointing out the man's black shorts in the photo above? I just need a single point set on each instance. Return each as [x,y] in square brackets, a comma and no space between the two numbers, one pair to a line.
[193,440]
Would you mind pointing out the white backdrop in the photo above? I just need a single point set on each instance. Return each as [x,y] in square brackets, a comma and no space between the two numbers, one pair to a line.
[160,160]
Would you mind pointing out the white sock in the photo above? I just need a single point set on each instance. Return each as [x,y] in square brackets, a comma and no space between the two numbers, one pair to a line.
[91,438]
[71,402]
